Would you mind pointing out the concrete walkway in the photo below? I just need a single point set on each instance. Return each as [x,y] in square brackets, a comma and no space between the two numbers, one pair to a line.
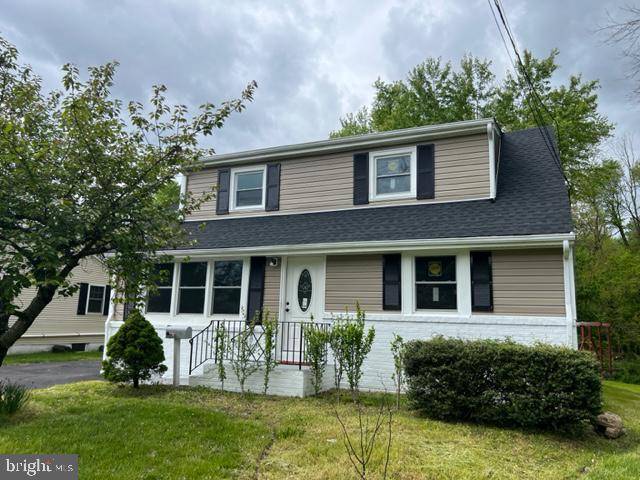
[41,375]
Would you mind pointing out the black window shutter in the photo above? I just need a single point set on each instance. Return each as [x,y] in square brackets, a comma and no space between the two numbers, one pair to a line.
[107,298]
[256,288]
[391,282]
[481,282]
[82,299]
[426,171]
[360,178]
[273,187]
[222,203]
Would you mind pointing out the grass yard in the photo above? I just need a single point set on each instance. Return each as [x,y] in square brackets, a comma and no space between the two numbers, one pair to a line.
[160,433]
[46,357]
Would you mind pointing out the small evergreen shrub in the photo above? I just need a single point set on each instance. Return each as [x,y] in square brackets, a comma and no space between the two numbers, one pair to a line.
[135,352]
[13,397]
[503,383]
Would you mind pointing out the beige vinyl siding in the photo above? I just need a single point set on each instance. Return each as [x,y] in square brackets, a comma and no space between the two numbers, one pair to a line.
[272,289]
[353,278]
[326,182]
[58,322]
[528,282]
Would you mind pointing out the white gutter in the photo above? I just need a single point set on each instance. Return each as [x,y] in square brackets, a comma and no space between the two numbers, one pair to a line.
[354,142]
[395,245]
[60,335]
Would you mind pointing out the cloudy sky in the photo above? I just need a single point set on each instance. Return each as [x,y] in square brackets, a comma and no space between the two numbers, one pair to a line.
[314,61]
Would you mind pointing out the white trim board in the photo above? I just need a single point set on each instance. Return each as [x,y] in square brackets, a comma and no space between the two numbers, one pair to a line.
[516,241]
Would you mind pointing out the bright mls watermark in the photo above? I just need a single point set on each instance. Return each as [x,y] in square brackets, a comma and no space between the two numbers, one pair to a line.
[49,467]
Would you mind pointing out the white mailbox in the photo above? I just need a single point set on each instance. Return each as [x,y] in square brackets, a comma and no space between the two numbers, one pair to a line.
[178,333]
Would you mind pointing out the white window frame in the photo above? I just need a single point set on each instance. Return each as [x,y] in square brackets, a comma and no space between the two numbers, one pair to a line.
[205,286]
[171,287]
[104,294]
[233,190]
[242,287]
[414,283]
[373,175]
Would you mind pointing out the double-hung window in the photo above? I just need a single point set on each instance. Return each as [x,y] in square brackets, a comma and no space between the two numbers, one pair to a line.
[160,301]
[248,188]
[95,299]
[393,174]
[227,285]
[193,278]
[436,283]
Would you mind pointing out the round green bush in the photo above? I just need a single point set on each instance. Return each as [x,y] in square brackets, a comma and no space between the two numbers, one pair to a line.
[134,353]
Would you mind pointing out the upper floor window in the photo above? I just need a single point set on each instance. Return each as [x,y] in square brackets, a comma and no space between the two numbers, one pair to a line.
[160,302]
[393,174]
[193,278]
[248,186]
[95,299]
[436,283]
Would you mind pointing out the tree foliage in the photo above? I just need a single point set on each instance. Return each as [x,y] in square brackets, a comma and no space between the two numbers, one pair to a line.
[436,92]
[135,352]
[83,174]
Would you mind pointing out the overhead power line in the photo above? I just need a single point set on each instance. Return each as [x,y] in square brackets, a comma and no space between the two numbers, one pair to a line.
[535,103]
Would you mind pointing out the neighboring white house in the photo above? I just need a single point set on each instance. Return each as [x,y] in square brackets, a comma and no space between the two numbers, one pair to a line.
[76,321]
[456,229]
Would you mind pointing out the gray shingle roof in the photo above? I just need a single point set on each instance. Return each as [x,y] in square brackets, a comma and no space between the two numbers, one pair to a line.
[531,199]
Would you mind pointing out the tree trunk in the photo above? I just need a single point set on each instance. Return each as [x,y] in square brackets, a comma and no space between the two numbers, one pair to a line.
[12,334]
[136,381]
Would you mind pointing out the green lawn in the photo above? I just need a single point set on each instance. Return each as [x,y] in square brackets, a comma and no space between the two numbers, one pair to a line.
[45,357]
[160,433]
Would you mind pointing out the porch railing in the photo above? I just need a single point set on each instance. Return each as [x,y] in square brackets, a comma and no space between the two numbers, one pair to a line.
[220,341]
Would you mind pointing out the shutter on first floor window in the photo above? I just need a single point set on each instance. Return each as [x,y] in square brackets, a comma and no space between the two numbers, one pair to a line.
[360,178]
[82,299]
[391,282]
[481,282]
[222,197]
[273,187]
[256,288]
[107,300]
[426,172]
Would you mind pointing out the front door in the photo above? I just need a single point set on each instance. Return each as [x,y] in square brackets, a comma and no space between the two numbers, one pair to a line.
[304,300]
[305,292]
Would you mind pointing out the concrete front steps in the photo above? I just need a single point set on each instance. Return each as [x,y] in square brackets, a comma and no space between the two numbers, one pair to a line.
[284,380]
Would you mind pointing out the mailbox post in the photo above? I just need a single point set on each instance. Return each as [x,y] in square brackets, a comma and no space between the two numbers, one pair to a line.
[178,333]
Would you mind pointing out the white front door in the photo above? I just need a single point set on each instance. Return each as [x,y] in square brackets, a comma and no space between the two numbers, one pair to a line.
[305,289]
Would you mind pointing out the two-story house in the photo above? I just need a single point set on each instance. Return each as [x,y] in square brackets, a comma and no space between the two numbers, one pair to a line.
[456,229]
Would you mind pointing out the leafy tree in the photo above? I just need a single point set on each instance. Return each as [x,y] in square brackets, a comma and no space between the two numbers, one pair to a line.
[135,352]
[80,174]
[435,92]
[626,32]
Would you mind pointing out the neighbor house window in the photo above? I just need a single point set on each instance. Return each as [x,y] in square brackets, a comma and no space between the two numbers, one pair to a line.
[436,283]
[160,302]
[393,174]
[248,188]
[193,277]
[227,285]
[95,299]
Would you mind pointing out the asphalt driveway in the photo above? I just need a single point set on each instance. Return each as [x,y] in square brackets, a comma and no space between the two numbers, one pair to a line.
[41,375]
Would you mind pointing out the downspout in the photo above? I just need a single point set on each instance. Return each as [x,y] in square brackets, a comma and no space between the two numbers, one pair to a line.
[492,160]
[569,293]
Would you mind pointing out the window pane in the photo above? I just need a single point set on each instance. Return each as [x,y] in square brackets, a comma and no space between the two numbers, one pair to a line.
[435,296]
[94,306]
[434,269]
[226,300]
[193,274]
[96,292]
[396,165]
[191,300]
[166,274]
[160,302]
[399,184]
[227,274]
[249,180]
[248,198]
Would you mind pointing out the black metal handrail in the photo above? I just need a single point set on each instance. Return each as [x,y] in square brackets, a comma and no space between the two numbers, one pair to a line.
[291,344]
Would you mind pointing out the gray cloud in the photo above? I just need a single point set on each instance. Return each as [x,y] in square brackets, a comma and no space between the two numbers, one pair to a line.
[314,61]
